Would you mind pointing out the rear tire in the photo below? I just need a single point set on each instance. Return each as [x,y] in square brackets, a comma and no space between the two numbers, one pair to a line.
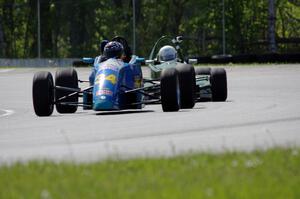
[218,81]
[43,93]
[202,71]
[187,84]
[170,90]
[66,78]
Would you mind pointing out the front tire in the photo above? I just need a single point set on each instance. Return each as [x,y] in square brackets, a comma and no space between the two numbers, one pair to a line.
[218,81]
[170,90]
[43,93]
[66,78]
[187,84]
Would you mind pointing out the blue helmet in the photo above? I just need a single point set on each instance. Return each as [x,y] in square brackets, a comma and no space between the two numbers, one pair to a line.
[113,49]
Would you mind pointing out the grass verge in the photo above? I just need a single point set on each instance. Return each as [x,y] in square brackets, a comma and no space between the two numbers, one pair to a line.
[8,67]
[274,173]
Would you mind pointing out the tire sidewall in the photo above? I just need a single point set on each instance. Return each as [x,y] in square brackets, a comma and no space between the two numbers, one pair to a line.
[187,81]
[218,81]
[43,93]
[66,78]
[170,90]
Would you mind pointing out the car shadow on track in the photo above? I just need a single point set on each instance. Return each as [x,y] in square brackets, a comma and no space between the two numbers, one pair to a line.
[86,113]
[198,107]
[124,112]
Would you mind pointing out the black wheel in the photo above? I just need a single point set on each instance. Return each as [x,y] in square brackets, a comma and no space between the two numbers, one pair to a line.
[66,78]
[218,81]
[43,93]
[202,71]
[170,90]
[187,82]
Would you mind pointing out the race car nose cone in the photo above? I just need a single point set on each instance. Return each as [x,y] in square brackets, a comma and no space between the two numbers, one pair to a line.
[103,104]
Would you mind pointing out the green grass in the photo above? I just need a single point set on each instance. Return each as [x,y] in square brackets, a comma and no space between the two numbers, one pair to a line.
[7,67]
[270,174]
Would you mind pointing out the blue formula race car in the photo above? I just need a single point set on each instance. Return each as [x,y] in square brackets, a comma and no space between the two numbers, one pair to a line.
[117,84]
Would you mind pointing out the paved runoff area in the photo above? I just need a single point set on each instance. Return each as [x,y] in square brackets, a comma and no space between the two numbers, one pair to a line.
[262,111]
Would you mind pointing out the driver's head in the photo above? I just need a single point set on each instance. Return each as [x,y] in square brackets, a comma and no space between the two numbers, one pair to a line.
[167,53]
[102,45]
[113,49]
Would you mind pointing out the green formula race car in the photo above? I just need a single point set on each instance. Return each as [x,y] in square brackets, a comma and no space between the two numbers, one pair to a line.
[206,84]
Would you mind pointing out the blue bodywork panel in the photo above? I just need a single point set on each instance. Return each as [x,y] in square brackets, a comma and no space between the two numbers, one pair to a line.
[112,78]
[88,60]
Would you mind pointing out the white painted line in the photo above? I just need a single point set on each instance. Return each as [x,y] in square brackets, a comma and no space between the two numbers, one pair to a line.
[7,113]
[6,70]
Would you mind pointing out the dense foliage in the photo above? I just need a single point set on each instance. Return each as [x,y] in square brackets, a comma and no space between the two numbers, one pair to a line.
[74,28]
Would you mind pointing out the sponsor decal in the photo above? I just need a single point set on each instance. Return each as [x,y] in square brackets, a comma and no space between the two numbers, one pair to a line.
[137,82]
[101,78]
[104,92]
[112,78]
[109,67]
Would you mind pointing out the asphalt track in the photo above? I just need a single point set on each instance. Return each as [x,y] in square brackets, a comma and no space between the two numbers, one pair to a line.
[262,111]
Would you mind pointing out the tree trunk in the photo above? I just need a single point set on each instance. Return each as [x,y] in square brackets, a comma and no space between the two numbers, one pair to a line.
[2,43]
[272,21]
[29,20]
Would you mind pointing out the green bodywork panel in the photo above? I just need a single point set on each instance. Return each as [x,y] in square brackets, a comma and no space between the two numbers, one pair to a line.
[156,69]
[203,83]
[202,80]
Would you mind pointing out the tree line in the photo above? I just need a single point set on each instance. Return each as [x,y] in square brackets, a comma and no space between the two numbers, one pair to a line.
[74,28]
